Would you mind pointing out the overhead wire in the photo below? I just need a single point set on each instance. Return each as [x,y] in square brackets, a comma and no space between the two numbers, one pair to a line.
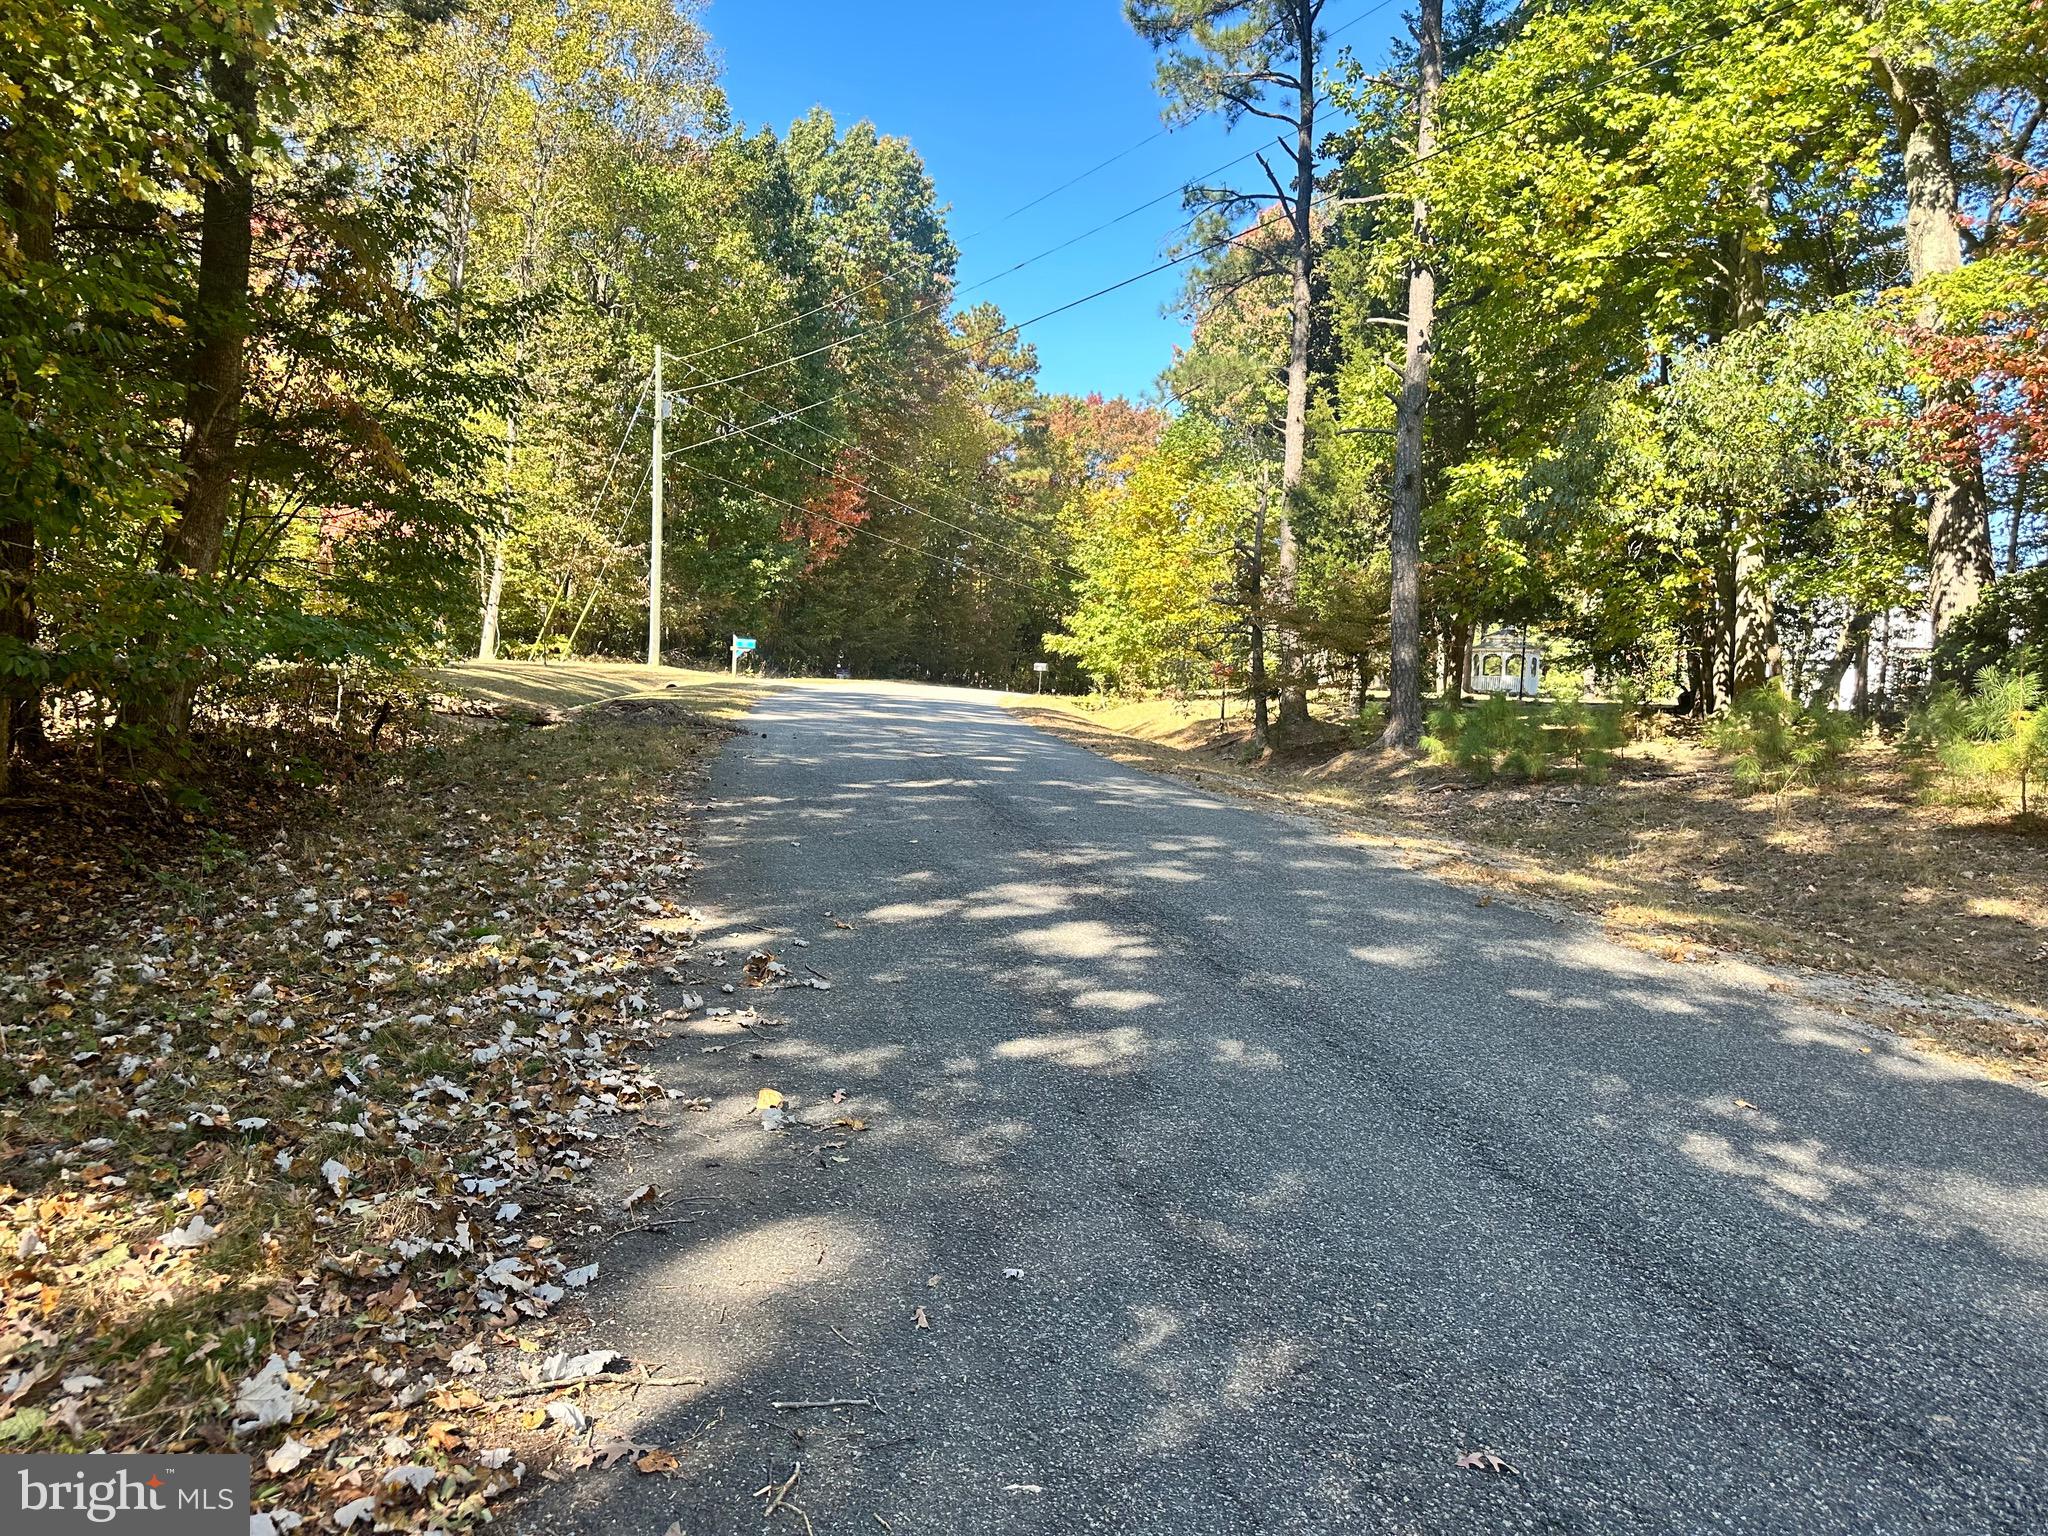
[611,469]
[953,296]
[1409,163]
[611,554]
[851,526]
[1445,147]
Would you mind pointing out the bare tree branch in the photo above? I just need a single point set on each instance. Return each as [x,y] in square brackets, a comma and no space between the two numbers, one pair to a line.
[1293,214]
[1261,77]
[1246,104]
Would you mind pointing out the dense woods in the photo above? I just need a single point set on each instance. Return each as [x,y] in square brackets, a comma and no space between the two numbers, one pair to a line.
[328,340]
[1701,339]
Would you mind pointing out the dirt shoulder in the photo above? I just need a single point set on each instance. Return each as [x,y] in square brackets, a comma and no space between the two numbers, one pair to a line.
[1930,921]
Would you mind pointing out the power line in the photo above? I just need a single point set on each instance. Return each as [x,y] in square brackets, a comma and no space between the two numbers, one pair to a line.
[1409,163]
[1206,247]
[840,475]
[853,527]
[953,296]
[1100,165]
[610,469]
[604,566]
[753,430]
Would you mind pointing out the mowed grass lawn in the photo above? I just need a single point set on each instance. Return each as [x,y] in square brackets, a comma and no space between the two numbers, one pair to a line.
[545,686]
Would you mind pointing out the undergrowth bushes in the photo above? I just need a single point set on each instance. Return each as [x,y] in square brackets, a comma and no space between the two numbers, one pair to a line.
[1777,744]
[1977,748]
[1499,739]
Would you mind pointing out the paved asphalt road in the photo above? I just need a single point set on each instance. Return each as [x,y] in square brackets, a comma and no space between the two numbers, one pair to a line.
[1317,1174]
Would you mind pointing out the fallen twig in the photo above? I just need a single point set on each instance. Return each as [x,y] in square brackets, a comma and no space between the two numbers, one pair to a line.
[832,1402]
[650,1226]
[781,1493]
[535,1389]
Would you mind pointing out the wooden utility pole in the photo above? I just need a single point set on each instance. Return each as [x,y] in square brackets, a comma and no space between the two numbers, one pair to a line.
[654,534]
[1404,691]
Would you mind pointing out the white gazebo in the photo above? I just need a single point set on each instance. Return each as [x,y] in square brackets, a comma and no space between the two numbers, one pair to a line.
[1506,661]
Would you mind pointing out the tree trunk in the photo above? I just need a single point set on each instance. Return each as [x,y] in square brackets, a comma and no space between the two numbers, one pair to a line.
[1862,701]
[2022,486]
[220,334]
[34,212]
[1261,710]
[1703,672]
[1958,512]
[494,592]
[494,582]
[1753,657]
[1460,667]
[1404,675]
[1852,650]
[1293,685]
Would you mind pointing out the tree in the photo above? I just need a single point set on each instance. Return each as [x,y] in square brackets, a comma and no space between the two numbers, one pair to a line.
[1920,53]
[1154,551]
[1258,58]
[219,328]
[1404,697]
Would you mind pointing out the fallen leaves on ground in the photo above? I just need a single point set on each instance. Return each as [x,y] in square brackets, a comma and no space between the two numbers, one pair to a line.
[288,1154]
[1903,906]
[762,967]
[1485,1461]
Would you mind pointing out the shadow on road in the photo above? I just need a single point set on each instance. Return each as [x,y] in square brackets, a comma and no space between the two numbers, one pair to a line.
[1244,1181]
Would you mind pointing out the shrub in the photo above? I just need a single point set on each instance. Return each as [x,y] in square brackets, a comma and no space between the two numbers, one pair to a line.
[1564,685]
[1498,739]
[1368,724]
[1978,745]
[1482,741]
[1777,744]
[1589,735]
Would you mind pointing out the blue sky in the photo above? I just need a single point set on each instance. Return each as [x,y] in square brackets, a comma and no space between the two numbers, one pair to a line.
[1005,101]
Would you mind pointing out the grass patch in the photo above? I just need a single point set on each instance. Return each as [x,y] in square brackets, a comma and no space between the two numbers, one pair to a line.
[546,689]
